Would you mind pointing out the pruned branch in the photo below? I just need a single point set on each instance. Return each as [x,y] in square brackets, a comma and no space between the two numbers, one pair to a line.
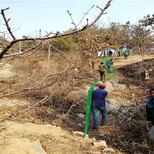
[84,15]
[22,53]
[102,12]
[44,100]
[72,19]
[59,52]
[6,22]
[69,110]
[100,9]
[7,48]
[46,38]
[27,89]
[36,86]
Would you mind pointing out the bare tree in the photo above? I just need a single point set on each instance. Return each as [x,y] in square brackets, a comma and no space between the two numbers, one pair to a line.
[54,35]
[35,81]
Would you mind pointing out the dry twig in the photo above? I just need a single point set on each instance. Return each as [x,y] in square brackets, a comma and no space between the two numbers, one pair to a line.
[36,87]
[25,110]
[84,15]
[6,22]
[72,19]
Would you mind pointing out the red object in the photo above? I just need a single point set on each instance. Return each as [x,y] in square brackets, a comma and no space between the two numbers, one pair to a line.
[102,86]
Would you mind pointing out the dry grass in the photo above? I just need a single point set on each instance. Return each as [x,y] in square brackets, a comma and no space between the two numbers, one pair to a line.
[37,77]
[40,71]
[64,85]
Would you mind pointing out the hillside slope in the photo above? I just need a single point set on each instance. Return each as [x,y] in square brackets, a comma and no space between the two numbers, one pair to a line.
[49,128]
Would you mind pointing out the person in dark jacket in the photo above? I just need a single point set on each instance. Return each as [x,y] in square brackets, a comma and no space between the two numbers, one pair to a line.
[125,55]
[150,113]
[103,71]
[98,105]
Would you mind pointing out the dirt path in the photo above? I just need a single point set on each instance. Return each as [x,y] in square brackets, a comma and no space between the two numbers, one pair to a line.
[120,61]
[127,126]
[127,129]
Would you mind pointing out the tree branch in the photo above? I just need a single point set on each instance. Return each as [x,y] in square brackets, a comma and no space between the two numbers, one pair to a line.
[60,53]
[77,103]
[55,36]
[72,19]
[7,48]
[84,15]
[6,22]
[16,54]
[35,87]
[25,110]
[102,12]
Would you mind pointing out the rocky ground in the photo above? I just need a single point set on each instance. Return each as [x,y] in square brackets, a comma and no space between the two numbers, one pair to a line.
[58,128]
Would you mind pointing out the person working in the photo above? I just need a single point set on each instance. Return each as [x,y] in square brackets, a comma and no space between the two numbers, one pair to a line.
[98,105]
[150,114]
[103,71]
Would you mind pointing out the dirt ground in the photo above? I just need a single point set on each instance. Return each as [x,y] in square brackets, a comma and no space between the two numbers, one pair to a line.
[127,131]
[120,61]
[130,133]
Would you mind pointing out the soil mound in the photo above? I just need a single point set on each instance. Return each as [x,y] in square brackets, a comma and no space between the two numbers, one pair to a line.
[135,73]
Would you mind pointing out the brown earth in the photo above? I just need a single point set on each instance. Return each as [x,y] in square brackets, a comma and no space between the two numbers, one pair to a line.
[128,134]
